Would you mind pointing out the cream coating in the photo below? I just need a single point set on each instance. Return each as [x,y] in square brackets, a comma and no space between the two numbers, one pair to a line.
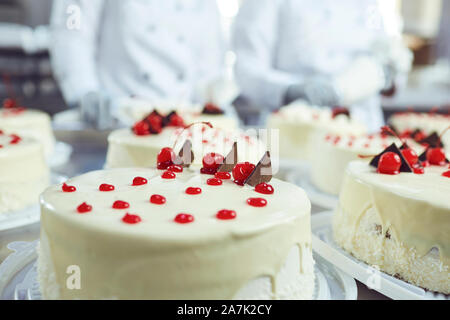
[415,209]
[172,260]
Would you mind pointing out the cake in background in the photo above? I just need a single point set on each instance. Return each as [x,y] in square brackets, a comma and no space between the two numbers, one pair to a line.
[300,126]
[27,123]
[23,172]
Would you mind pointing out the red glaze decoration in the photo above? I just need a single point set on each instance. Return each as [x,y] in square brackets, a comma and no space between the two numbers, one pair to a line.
[410,156]
[214,182]
[193,190]
[131,218]
[418,170]
[139,181]
[389,163]
[168,175]
[67,188]
[84,207]
[226,214]
[157,199]
[446,174]
[425,164]
[119,204]
[141,128]
[208,171]
[241,171]
[257,202]
[165,158]
[106,187]
[223,175]
[264,188]
[15,139]
[175,168]
[436,156]
[184,218]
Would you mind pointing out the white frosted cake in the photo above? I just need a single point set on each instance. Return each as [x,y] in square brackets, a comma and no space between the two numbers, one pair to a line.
[28,123]
[300,125]
[23,172]
[142,233]
[398,221]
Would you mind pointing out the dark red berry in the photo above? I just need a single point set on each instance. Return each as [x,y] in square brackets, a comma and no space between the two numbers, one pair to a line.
[389,163]
[157,199]
[226,214]
[139,181]
[106,187]
[193,190]
[184,218]
[119,204]
[257,202]
[131,218]
[264,188]
[84,207]
[67,188]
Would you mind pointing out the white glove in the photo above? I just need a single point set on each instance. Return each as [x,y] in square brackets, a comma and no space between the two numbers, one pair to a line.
[96,110]
[318,91]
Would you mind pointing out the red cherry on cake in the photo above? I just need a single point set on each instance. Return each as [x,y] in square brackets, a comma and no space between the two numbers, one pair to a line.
[104,187]
[157,199]
[176,121]
[389,163]
[193,190]
[410,156]
[131,218]
[139,181]
[226,214]
[446,174]
[155,123]
[119,204]
[141,128]
[257,202]
[67,188]
[241,171]
[175,168]
[214,182]
[264,188]
[168,175]
[436,156]
[184,218]
[212,160]
[165,158]
[84,207]
[223,175]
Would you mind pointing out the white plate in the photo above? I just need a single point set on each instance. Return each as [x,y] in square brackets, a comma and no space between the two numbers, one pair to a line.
[27,216]
[61,154]
[317,197]
[18,277]
[323,244]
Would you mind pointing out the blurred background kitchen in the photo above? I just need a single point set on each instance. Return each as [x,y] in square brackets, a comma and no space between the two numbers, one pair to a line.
[27,73]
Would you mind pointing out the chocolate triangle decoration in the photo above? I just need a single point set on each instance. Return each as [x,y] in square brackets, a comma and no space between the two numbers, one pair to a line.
[392,148]
[432,141]
[185,156]
[230,160]
[262,171]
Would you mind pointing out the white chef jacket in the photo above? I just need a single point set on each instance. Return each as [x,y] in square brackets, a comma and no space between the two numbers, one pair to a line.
[283,42]
[151,49]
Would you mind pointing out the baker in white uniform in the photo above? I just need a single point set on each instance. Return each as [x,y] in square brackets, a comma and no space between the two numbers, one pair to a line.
[326,52]
[151,49]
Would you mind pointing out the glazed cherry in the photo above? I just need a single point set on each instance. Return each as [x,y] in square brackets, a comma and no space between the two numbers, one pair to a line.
[184,218]
[139,181]
[193,190]
[257,202]
[119,204]
[241,172]
[131,218]
[223,175]
[212,160]
[264,188]
[84,207]
[141,128]
[175,168]
[165,158]
[15,139]
[446,174]
[214,182]
[176,121]
[410,156]
[106,187]
[389,163]
[168,175]
[155,123]
[226,214]
[436,156]
[67,188]
[157,199]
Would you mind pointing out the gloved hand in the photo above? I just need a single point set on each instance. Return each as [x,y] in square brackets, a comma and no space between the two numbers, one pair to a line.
[318,91]
[96,110]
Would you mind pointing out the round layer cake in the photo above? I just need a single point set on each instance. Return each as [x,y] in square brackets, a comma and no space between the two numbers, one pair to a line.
[28,123]
[143,233]
[337,151]
[399,222]
[300,125]
[23,172]
[127,149]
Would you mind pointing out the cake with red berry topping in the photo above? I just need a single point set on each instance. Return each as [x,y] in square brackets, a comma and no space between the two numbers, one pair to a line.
[397,216]
[140,146]
[27,123]
[144,233]
[23,172]
[299,124]
[331,159]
